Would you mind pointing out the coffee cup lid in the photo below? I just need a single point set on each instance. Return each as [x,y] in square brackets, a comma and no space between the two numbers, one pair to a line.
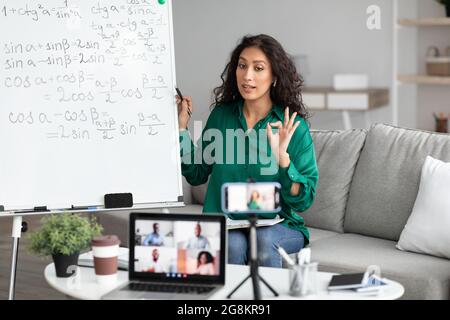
[104,241]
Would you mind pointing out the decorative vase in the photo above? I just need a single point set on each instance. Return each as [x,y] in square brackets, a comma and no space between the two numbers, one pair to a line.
[65,265]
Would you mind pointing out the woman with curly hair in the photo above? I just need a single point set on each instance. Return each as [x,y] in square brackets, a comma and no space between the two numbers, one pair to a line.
[259,101]
[205,263]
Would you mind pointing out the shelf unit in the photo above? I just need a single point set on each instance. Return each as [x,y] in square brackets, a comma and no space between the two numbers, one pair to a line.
[329,99]
[425,22]
[417,79]
[424,79]
[346,101]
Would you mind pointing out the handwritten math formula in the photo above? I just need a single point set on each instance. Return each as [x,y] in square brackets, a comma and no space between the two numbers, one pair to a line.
[85,70]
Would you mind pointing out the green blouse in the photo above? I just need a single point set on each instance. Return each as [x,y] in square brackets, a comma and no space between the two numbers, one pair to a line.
[219,154]
[253,205]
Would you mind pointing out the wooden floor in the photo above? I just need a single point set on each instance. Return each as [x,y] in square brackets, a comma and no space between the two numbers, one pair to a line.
[30,283]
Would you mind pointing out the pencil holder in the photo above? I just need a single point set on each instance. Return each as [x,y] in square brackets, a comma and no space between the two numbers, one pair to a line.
[442,125]
[303,279]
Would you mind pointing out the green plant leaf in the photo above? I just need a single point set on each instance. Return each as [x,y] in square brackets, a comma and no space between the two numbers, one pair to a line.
[64,233]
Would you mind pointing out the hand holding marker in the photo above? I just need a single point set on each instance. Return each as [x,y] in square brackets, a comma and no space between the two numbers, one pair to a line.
[181,97]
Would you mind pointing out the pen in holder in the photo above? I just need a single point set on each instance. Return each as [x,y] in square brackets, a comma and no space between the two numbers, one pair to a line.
[302,276]
[302,279]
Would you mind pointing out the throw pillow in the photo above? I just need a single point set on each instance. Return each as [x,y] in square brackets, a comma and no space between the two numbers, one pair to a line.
[428,228]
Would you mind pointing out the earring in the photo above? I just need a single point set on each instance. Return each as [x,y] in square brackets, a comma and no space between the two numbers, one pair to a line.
[275,83]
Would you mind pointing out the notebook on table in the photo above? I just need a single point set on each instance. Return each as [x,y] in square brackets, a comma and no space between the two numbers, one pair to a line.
[174,256]
[237,224]
[347,281]
[357,282]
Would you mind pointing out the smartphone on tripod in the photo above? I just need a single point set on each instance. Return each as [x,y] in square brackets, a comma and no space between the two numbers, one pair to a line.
[260,198]
[252,201]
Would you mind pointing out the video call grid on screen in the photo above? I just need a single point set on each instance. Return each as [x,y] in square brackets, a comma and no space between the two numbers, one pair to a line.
[177,249]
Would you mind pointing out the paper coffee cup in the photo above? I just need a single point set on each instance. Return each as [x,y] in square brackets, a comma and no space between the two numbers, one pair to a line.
[105,250]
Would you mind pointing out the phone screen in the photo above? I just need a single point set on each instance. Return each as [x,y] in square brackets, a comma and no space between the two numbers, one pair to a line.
[260,197]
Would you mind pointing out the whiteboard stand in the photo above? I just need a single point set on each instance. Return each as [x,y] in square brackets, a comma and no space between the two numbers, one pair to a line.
[18,227]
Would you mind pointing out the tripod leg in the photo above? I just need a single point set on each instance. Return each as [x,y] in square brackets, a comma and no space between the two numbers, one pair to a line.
[237,287]
[268,286]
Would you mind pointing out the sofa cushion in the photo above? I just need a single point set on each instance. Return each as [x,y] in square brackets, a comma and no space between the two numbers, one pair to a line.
[319,234]
[116,222]
[386,179]
[427,229]
[422,276]
[337,153]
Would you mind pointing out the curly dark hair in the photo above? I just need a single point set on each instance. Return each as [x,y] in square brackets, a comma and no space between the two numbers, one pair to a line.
[209,257]
[288,91]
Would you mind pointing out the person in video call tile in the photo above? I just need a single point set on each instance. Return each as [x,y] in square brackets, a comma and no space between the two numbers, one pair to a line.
[255,201]
[155,263]
[198,241]
[205,263]
[154,238]
[260,103]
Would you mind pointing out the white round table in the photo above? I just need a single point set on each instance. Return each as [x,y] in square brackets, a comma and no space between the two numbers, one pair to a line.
[84,286]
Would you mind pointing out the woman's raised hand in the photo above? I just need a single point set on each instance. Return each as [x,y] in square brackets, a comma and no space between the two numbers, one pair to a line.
[279,141]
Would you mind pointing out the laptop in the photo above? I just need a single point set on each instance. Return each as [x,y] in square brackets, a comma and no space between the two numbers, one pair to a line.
[174,256]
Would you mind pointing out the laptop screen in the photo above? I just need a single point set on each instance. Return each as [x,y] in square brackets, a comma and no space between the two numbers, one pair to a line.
[177,247]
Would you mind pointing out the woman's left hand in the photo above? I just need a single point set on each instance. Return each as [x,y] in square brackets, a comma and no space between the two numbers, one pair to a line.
[279,141]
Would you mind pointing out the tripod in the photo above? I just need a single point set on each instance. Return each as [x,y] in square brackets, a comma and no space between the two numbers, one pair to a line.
[253,262]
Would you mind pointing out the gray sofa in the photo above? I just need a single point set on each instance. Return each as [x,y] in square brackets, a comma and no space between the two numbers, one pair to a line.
[366,191]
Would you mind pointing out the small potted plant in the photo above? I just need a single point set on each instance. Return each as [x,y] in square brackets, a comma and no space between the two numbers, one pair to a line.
[446,3]
[64,236]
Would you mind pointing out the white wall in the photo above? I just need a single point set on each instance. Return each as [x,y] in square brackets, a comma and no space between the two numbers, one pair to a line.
[332,33]
[407,63]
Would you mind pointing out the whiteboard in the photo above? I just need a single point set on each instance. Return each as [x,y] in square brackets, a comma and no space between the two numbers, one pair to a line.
[87,103]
